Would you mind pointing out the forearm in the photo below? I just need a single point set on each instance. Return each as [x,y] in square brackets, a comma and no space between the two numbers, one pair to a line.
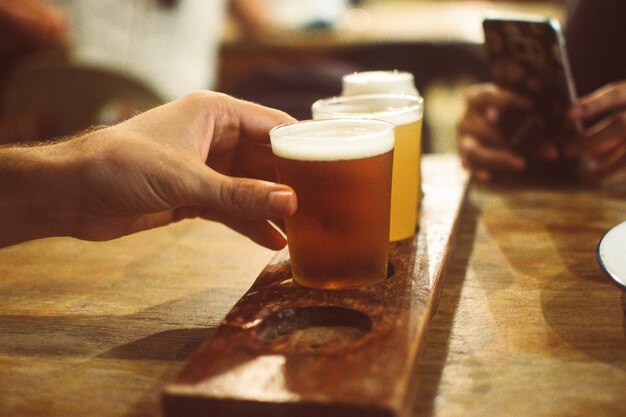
[36,192]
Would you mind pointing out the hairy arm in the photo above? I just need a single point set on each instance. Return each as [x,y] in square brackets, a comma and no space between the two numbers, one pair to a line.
[36,192]
[205,155]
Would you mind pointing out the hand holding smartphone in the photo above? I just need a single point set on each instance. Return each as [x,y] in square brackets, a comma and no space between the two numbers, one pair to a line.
[527,55]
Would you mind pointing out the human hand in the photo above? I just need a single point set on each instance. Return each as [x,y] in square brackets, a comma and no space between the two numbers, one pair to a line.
[603,144]
[482,146]
[176,161]
[203,155]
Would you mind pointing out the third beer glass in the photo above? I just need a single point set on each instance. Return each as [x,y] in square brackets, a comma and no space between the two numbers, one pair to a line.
[341,173]
[370,82]
[405,112]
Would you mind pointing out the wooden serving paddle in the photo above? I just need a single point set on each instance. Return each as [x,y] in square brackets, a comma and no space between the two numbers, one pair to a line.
[286,350]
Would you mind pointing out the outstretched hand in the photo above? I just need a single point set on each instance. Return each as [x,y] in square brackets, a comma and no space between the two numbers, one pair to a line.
[205,155]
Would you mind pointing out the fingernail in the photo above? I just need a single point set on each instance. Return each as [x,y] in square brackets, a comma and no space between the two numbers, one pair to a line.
[281,202]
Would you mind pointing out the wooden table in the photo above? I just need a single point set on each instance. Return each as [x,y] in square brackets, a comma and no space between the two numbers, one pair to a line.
[527,325]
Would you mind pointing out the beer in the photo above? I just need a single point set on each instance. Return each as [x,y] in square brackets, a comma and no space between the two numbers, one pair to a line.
[368,82]
[341,173]
[405,112]
[406,183]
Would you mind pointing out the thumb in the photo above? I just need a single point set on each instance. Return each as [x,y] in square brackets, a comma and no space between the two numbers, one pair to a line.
[246,197]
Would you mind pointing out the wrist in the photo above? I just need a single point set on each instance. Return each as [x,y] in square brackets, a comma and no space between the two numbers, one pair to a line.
[37,187]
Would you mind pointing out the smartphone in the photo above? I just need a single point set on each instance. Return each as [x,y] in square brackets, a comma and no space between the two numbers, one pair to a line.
[526,54]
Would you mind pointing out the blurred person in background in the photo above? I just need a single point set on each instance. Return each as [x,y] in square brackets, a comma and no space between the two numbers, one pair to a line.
[595,36]
[168,47]
[171,45]
[26,27]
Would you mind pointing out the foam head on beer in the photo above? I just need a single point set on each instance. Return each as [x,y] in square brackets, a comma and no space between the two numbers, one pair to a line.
[341,173]
[331,140]
[368,82]
[397,109]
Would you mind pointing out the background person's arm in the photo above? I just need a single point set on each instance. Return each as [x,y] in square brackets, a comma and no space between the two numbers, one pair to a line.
[604,143]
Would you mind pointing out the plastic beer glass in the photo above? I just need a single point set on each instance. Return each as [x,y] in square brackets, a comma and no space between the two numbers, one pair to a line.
[405,113]
[341,173]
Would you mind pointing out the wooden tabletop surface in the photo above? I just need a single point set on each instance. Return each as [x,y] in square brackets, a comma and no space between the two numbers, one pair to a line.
[527,326]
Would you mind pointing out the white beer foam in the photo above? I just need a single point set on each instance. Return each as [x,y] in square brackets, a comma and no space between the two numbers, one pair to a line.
[367,82]
[332,139]
[397,109]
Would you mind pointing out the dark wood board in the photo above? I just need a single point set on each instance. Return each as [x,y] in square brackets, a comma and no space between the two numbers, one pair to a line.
[286,350]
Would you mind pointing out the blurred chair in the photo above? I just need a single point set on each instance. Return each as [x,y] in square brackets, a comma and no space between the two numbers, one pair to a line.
[49,96]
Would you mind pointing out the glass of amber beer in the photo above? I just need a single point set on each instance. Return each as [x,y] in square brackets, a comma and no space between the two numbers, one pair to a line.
[341,173]
[405,113]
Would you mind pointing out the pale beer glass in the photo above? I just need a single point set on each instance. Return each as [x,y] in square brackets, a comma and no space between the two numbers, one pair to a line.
[405,113]
[341,173]
[376,82]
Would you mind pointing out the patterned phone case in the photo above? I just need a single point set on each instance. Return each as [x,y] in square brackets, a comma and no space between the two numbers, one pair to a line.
[527,56]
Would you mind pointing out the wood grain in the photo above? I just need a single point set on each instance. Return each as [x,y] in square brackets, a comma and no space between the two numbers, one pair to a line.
[527,323]
[334,353]
[97,329]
